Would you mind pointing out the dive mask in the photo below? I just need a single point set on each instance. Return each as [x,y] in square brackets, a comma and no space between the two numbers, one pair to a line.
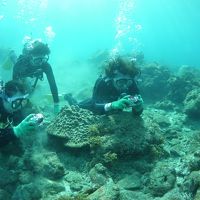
[17,101]
[39,60]
[122,82]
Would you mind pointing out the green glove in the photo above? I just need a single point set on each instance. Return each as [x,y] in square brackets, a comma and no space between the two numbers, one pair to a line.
[25,126]
[121,103]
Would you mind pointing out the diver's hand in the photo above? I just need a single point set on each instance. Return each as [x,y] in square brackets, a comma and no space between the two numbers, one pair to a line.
[137,108]
[139,104]
[26,126]
[121,103]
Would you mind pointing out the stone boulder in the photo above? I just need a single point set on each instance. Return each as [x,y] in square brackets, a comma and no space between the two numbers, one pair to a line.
[108,191]
[99,175]
[7,177]
[162,179]
[131,182]
[134,195]
[154,82]
[192,104]
[27,192]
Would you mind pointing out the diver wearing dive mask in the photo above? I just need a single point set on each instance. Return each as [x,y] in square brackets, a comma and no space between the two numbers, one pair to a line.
[119,78]
[13,98]
[122,82]
[13,101]
[17,102]
[32,65]
[38,60]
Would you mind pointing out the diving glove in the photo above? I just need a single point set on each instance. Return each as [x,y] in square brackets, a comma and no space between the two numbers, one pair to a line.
[121,103]
[26,126]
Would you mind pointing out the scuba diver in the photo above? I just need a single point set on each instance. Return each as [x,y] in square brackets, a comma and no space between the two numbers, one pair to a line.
[31,66]
[116,90]
[13,98]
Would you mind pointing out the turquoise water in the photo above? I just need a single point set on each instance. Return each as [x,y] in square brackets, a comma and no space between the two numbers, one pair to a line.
[167,31]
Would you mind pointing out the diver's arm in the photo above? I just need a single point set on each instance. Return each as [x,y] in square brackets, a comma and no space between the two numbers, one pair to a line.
[52,83]
[91,103]
[15,71]
[6,135]
[117,105]
[98,93]
[19,67]
[100,108]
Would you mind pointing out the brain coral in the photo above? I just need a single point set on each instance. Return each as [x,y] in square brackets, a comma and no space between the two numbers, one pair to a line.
[120,133]
[72,125]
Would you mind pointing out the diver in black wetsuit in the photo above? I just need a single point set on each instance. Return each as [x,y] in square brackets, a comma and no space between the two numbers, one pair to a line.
[13,98]
[32,64]
[115,90]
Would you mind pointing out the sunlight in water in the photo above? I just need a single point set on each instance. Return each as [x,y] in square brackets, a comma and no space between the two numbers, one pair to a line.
[126,27]
[30,11]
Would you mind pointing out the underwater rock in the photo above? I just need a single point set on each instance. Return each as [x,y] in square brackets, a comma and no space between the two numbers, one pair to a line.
[172,132]
[173,194]
[27,192]
[154,78]
[165,105]
[7,177]
[191,183]
[44,163]
[190,74]
[182,169]
[99,175]
[120,134]
[72,125]
[131,182]
[192,104]
[78,182]
[167,121]
[187,79]
[178,89]
[162,179]
[197,196]
[127,135]
[130,195]
[25,177]
[194,164]
[12,162]
[142,165]
[52,188]
[52,167]
[4,195]
[74,179]
[161,119]
[108,191]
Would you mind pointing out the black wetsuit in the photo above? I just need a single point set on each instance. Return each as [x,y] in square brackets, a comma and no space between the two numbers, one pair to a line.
[104,92]
[23,68]
[7,134]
